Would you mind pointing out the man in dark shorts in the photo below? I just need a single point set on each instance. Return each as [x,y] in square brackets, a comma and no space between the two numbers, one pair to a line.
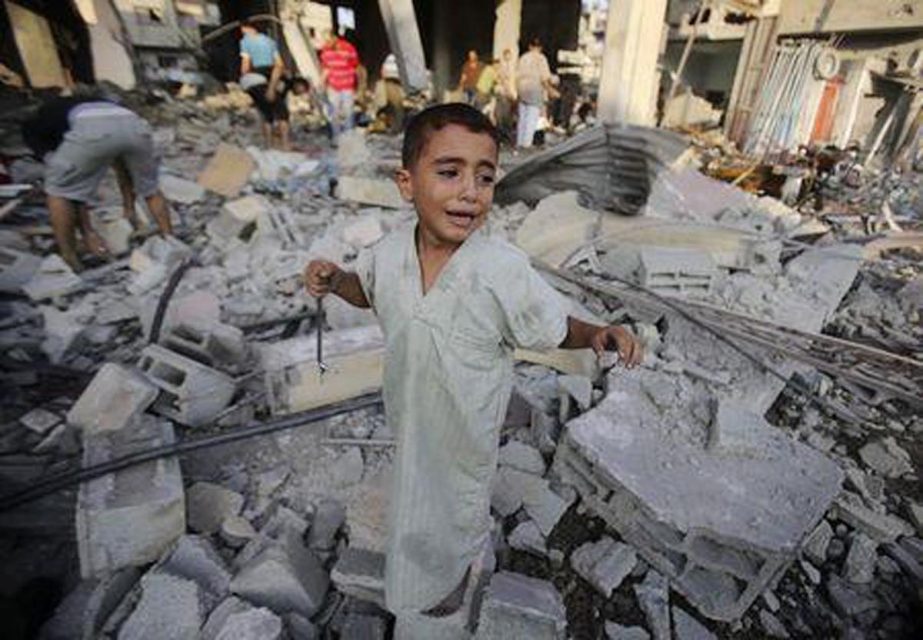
[79,138]
[261,71]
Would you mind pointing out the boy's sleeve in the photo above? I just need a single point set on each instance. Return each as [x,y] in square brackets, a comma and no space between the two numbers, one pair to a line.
[534,313]
[365,269]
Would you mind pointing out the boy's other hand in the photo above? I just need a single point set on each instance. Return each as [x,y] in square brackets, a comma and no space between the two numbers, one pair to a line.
[629,348]
[320,276]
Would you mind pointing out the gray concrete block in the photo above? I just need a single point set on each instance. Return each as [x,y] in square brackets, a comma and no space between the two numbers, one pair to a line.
[285,577]
[170,609]
[677,270]
[253,624]
[859,567]
[114,397]
[215,345]
[209,505]
[191,393]
[815,546]
[527,537]
[130,517]
[580,388]
[523,457]
[194,558]
[360,573]
[517,606]
[886,457]
[685,627]
[82,613]
[653,595]
[237,218]
[329,516]
[604,564]
[160,253]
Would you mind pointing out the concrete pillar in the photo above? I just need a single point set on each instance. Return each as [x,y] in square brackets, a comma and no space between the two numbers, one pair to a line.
[507,27]
[404,38]
[628,87]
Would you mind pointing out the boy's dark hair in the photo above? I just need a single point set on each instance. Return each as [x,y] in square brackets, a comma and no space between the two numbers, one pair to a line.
[431,119]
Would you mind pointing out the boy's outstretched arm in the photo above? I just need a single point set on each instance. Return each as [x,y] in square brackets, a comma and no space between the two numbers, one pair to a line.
[582,335]
[322,277]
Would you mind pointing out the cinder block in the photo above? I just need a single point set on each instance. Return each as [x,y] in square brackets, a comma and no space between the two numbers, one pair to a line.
[191,393]
[158,250]
[115,397]
[16,269]
[669,500]
[293,379]
[517,606]
[238,218]
[130,517]
[677,270]
[216,345]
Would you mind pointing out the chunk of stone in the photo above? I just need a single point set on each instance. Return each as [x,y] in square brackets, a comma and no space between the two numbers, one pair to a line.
[253,624]
[236,531]
[360,573]
[84,610]
[131,516]
[517,606]
[523,457]
[618,632]
[285,577]
[653,594]
[220,614]
[208,505]
[39,420]
[604,564]
[237,218]
[180,190]
[194,558]
[773,626]
[906,560]
[580,388]
[861,560]
[815,546]
[114,397]
[688,628]
[886,457]
[880,527]
[170,609]
[916,516]
[163,252]
[527,537]
[848,600]
[328,518]
[371,191]
[53,279]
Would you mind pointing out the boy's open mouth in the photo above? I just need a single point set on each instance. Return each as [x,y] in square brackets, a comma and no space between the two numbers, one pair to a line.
[461,218]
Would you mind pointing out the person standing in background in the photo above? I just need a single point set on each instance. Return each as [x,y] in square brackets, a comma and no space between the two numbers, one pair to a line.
[533,80]
[339,60]
[261,70]
[468,80]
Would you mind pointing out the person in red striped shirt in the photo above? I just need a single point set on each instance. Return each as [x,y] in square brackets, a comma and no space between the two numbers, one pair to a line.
[338,59]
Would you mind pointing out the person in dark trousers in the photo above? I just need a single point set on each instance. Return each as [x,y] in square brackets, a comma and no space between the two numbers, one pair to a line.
[79,138]
[261,71]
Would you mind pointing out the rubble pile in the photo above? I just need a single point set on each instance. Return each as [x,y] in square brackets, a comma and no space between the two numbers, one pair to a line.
[726,488]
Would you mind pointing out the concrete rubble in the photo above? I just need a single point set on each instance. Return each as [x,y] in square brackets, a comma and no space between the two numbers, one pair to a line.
[698,496]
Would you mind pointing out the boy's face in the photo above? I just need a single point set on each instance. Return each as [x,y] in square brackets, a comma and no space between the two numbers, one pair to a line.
[452,183]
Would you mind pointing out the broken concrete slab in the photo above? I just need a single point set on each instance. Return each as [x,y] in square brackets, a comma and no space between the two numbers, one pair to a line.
[880,527]
[886,457]
[285,577]
[688,628]
[527,537]
[329,517]
[580,388]
[516,606]
[237,219]
[194,558]
[557,228]
[293,380]
[859,567]
[227,171]
[163,251]
[236,531]
[170,609]
[523,457]
[736,430]
[113,399]
[179,190]
[208,505]
[681,271]
[63,329]
[371,191]
[82,613]
[849,600]
[129,517]
[360,573]
[604,564]
[214,344]
[16,269]
[825,274]
[53,279]
[817,542]
[191,393]
[663,495]
[252,624]
[653,595]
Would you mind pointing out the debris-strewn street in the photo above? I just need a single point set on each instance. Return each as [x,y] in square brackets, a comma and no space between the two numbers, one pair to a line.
[192,446]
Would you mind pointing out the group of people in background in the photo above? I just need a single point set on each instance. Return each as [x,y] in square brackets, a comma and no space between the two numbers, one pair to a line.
[499,85]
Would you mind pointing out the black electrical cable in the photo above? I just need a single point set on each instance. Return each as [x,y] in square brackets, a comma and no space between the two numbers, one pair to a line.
[164,300]
[63,480]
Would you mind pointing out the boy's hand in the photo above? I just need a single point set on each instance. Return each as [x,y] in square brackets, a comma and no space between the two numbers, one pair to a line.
[320,277]
[618,339]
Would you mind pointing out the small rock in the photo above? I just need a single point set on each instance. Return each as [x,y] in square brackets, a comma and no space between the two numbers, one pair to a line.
[220,614]
[848,600]
[527,537]
[772,625]
[328,518]
[236,531]
[771,600]
[170,609]
[40,420]
[815,547]
[886,457]
[916,516]
[604,564]
[859,567]
[194,558]
[580,389]
[688,628]
[523,457]
[254,624]
[836,549]
[653,595]
[208,504]
[300,628]
[812,572]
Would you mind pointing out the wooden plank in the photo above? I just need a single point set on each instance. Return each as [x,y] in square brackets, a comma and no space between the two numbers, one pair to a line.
[228,171]
[36,47]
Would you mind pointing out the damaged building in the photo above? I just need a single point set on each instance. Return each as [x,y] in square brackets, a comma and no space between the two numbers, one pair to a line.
[191,446]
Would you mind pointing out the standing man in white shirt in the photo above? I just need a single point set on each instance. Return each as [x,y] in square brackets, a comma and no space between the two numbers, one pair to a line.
[533,79]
